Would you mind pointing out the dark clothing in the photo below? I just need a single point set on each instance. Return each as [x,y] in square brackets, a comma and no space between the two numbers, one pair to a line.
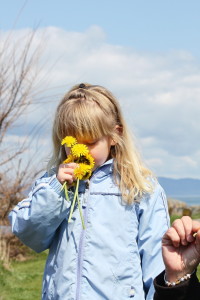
[187,290]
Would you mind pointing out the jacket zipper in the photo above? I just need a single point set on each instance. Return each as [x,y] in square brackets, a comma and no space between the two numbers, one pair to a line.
[80,252]
[80,259]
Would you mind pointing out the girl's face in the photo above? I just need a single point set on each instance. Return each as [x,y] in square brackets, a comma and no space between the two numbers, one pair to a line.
[99,149]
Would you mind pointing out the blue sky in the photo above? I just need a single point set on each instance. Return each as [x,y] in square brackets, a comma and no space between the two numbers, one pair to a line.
[146,52]
[145,25]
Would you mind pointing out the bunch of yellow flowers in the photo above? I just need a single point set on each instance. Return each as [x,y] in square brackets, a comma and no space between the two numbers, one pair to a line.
[79,154]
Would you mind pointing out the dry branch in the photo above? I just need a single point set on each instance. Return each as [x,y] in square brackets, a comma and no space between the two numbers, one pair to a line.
[18,75]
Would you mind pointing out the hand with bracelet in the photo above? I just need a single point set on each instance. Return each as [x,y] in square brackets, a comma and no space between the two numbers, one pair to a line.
[181,250]
[181,255]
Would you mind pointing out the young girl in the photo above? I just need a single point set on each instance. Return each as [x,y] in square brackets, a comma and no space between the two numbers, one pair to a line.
[124,208]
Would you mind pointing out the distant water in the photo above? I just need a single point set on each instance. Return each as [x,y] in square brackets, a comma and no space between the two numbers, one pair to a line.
[190,200]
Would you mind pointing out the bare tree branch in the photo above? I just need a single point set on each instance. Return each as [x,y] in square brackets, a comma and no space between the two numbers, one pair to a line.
[17,78]
[18,74]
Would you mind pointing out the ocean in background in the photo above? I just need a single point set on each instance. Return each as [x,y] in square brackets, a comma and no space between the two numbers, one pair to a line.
[190,200]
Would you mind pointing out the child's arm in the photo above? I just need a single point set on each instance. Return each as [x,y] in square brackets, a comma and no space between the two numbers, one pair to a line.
[153,223]
[35,219]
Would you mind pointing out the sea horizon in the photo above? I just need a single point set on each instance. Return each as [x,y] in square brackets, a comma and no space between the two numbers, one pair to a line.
[189,200]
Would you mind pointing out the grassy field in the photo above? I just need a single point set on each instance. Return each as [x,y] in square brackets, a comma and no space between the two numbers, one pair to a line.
[24,279]
[176,217]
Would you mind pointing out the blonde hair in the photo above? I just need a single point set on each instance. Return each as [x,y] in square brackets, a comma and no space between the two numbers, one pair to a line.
[90,112]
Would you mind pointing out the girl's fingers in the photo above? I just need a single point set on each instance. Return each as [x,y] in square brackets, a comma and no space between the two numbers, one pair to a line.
[66,172]
[69,171]
[68,166]
[62,177]
[68,178]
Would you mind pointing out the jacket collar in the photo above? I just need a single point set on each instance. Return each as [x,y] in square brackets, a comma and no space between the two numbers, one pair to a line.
[98,174]
[103,170]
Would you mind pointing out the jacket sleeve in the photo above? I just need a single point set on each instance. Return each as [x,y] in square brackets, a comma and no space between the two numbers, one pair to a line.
[35,219]
[153,223]
[189,289]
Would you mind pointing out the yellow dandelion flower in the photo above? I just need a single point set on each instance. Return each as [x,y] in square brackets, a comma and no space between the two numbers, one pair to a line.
[79,150]
[87,175]
[82,171]
[80,155]
[69,141]
[69,159]
[87,159]
[90,160]
[88,172]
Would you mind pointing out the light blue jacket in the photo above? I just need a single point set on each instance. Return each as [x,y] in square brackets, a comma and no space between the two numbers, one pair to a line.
[115,258]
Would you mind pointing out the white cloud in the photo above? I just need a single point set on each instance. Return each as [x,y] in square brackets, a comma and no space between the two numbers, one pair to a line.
[159,93]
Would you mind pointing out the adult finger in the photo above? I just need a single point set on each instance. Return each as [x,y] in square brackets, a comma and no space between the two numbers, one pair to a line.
[198,242]
[179,227]
[171,237]
[195,226]
[187,223]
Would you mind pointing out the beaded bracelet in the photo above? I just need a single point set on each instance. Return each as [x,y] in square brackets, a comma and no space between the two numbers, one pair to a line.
[184,278]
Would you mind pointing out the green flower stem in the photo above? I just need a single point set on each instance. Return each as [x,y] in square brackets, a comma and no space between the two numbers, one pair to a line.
[66,191]
[63,186]
[79,206]
[74,200]
[80,211]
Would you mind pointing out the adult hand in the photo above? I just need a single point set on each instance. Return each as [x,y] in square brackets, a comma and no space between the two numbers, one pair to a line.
[180,249]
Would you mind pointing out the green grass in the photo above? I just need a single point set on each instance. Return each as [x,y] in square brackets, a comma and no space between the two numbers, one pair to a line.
[197,216]
[174,217]
[24,279]
[198,272]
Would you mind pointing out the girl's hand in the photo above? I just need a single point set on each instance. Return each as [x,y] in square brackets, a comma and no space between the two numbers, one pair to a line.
[66,173]
[180,249]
